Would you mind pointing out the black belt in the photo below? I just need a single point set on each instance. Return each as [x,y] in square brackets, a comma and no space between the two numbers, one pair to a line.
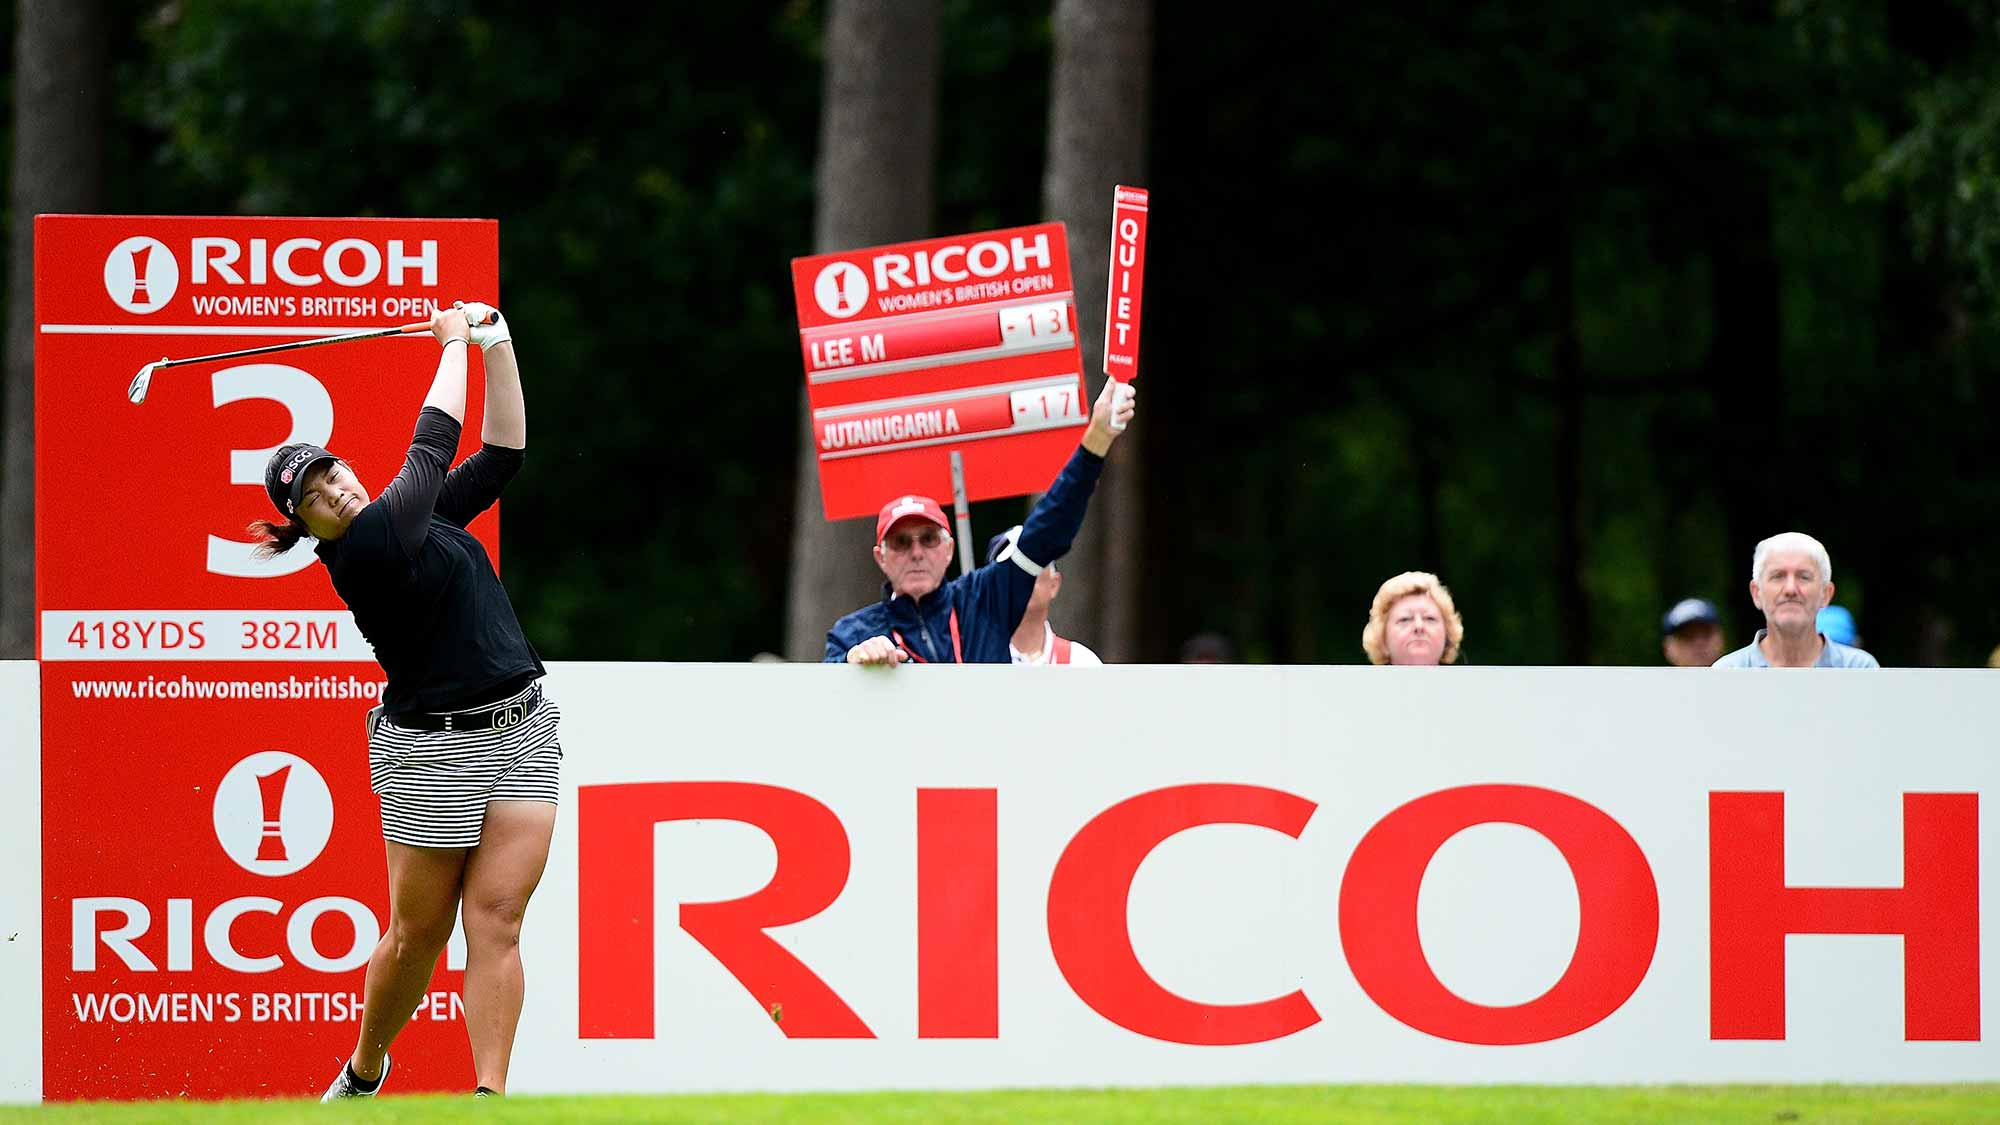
[497,716]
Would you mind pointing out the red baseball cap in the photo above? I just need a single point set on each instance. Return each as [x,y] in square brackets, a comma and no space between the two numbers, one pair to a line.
[904,507]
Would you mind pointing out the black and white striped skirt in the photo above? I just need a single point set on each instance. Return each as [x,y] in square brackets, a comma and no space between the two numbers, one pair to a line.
[435,785]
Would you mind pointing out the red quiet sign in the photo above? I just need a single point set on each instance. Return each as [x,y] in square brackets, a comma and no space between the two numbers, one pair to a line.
[1127,283]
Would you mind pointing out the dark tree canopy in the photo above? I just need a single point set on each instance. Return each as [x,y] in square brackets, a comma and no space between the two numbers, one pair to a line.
[1569,302]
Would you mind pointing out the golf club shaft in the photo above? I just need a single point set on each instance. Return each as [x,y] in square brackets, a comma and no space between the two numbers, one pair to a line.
[295,345]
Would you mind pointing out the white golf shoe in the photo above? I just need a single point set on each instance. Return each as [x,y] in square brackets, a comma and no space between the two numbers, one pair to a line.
[348,1086]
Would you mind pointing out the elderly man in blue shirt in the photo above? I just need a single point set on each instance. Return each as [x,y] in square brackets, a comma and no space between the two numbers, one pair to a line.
[1791,580]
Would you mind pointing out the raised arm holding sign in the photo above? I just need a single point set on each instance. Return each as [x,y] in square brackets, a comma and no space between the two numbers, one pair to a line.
[969,620]
[949,363]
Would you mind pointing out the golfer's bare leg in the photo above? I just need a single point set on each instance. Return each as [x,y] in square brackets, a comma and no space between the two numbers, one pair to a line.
[500,875]
[423,901]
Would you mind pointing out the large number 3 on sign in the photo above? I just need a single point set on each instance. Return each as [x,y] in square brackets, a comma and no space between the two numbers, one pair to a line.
[311,410]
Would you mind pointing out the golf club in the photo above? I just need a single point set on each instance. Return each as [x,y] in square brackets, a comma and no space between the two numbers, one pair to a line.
[144,379]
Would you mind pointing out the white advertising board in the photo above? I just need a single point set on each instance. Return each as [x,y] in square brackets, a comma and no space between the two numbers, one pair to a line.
[806,877]
[1392,902]
[20,881]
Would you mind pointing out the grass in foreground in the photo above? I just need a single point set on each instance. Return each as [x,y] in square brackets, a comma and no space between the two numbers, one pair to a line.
[1530,1105]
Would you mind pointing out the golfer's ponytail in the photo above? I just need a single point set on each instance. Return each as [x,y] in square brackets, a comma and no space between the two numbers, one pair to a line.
[274,539]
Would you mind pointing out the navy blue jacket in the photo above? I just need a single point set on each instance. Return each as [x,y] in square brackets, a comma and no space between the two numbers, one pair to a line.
[991,600]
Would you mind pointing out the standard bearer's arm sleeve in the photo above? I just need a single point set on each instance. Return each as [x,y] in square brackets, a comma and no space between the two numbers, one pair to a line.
[1052,526]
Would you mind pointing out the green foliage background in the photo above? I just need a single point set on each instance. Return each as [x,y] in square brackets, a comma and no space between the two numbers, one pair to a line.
[1569,302]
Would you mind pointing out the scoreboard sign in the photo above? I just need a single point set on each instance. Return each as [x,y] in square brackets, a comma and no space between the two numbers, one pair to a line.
[212,879]
[917,350]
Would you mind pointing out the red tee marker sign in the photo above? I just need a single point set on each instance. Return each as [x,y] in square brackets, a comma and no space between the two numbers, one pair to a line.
[1128,276]
[212,877]
[917,350]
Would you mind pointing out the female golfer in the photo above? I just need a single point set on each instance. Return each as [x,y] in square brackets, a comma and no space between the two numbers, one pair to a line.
[463,750]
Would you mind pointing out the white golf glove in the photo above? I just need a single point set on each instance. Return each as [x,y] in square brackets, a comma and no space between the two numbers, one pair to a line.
[488,326]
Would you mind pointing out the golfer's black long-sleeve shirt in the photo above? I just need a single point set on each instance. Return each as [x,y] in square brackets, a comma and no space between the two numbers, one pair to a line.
[421,587]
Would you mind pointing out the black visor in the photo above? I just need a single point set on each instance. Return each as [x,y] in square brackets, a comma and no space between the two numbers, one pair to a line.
[285,474]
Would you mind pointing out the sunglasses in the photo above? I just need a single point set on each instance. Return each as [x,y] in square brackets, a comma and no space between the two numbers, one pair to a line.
[902,542]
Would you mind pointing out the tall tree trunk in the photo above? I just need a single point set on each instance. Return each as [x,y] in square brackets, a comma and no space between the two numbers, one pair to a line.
[59,79]
[877,151]
[1099,106]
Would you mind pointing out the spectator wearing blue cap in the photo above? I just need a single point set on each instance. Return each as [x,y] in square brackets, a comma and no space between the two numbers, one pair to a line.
[1791,581]
[1035,640]
[1691,633]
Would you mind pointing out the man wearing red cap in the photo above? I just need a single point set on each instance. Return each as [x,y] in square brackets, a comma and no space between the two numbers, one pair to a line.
[968,620]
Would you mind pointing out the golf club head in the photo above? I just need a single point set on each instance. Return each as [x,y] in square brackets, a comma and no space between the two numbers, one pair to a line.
[144,379]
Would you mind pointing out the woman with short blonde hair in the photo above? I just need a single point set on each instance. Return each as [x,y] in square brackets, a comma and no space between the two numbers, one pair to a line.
[1413,622]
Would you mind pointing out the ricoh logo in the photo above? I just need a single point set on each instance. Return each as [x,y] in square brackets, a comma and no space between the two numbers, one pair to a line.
[304,262]
[273,816]
[140,274]
[1376,891]
[273,813]
[985,258]
[840,289]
